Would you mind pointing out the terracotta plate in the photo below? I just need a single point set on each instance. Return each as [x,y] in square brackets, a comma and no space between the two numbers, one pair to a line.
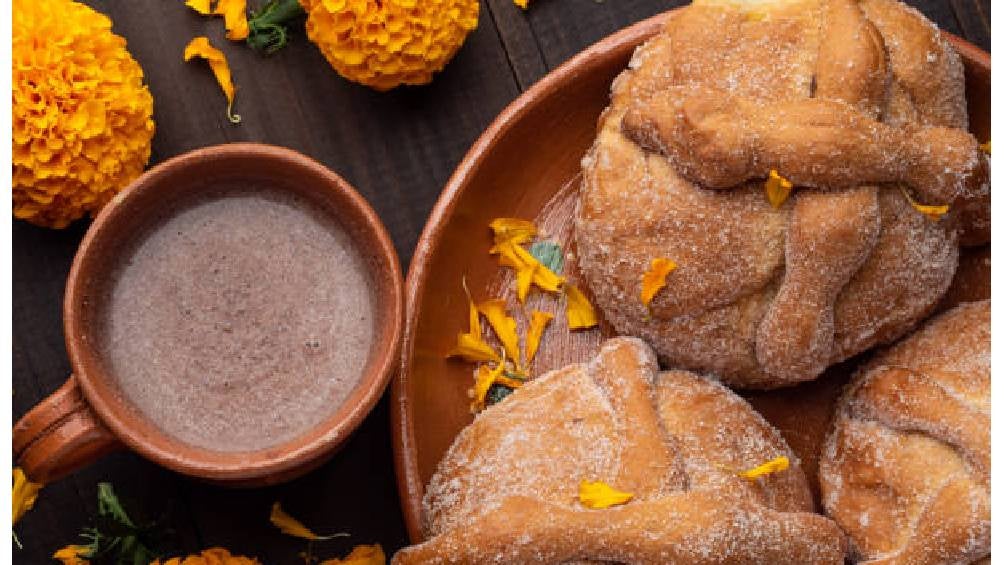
[526,165]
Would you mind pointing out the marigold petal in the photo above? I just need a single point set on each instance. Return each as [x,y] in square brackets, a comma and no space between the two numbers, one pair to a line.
[24,493]
[293,527]
[521,3]
[200,47]
[513,230]
[597,495]
[527,268]
[473,349]
[483,381]
[361,555]
[470,345]
[654,278]
[200,6]
[776,465]
[72,555]
[933,212]
[235,19]
[579,313]
[985,147]
[504,326]
[538,323]
[778,189]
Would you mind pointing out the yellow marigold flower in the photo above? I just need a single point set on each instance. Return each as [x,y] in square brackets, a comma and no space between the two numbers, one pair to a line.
[504,326]
[599,495]
[538,323]
[293,527]
[776,465]
[72,555]
[933,212]
[386,43]
[23,494]
[361,555]
[778,189]
[211,556]
[579,312]
[200,47]
[82,117]
[654,278]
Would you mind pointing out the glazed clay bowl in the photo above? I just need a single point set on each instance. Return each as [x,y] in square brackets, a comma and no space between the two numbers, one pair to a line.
[87,417]
[526,165]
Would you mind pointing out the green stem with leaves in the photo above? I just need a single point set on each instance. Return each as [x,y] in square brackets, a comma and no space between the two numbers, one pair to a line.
[268,27]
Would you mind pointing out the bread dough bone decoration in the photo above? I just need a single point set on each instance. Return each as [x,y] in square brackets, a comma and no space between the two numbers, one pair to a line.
[860,105]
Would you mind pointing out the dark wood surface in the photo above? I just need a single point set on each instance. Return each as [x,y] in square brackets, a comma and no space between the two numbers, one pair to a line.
[396,148]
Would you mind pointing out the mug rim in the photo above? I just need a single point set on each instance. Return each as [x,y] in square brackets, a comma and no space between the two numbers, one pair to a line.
[276,462]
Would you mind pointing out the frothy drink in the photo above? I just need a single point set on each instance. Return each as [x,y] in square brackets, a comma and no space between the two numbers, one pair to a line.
[240,321]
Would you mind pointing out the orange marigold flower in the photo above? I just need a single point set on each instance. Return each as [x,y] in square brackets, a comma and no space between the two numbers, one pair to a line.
[82,117]
[211,556]
[387,43]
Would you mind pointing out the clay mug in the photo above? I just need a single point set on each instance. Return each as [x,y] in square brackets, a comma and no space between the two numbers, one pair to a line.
[86,418]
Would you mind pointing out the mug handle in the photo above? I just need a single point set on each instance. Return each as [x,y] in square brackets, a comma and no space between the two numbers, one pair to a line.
[60,435]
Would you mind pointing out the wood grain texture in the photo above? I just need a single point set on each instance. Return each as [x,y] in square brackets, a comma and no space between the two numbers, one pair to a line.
[397,149]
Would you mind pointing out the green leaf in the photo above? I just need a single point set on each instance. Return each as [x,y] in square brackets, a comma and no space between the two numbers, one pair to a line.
[497,393]
[550,254]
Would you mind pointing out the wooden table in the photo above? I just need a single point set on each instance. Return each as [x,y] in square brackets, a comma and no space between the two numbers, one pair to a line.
[397,148]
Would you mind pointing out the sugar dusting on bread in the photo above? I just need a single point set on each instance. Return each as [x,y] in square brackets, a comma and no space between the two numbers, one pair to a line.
[730,245]
[505,491]
[905,470]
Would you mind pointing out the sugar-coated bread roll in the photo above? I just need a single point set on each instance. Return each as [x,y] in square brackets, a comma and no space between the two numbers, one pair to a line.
[906,469]
[507,489]
[859,104]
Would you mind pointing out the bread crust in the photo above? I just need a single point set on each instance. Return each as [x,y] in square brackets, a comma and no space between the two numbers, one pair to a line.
[762,297]
[505,492]
[905,470]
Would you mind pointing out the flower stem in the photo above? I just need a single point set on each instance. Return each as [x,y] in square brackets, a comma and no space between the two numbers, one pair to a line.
[268,27]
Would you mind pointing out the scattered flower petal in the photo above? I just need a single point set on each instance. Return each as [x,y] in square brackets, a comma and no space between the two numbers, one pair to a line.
[528,270]
[933,212]
[599,495]
[654,278]
[776,465]
[200,47]
[521,3]
[578,311]
[538,323]
[73,555]
[470,345]
[483,381]
[23,494]
[504,325]
[293,527]
[513,230]
[200,6]
[778,189]
[985,147]
[235,19]
[361,555]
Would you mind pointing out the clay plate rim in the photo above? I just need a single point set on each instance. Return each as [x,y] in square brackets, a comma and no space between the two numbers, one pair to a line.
[410,486]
